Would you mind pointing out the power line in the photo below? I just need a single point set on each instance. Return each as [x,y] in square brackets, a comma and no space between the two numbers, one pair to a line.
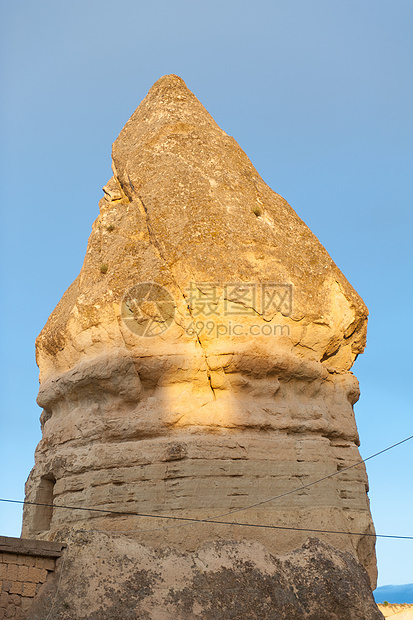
[208,520]
[271,499]
[310,484]
[282,527]
[188,520]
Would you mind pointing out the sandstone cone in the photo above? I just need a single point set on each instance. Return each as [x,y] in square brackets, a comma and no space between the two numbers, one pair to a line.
[200,361]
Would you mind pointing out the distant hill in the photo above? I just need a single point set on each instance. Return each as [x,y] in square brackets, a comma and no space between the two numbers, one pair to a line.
[394,594]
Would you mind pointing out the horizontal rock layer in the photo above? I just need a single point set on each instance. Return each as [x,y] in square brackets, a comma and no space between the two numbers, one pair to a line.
[139,435]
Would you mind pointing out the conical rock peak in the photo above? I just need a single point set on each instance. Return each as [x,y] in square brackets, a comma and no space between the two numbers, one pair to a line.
[186,206]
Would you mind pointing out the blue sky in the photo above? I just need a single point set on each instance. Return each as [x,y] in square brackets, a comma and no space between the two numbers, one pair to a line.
[320,96]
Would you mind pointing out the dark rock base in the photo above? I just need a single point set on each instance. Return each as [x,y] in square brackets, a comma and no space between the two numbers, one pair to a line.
[111,577]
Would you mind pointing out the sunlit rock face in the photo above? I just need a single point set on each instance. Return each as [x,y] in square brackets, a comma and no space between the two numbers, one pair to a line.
[199,363]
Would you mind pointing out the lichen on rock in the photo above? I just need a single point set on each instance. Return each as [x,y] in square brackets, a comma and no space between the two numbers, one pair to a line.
[108,576]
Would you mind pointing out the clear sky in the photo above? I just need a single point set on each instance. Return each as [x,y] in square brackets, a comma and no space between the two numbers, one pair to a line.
[319,93]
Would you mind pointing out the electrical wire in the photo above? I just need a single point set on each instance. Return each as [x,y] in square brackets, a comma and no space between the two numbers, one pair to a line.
[189,520]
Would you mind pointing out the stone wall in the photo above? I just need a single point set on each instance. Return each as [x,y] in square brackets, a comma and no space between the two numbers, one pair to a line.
[24,567]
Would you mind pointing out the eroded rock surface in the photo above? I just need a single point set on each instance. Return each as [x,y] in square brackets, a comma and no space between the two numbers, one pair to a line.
[224,383]
[115,578]
[186,207]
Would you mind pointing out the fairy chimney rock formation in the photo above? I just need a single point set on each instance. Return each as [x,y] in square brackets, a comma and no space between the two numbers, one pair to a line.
[200,362]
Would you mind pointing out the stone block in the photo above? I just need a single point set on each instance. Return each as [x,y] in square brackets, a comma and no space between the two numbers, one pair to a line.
[10,611]
[4,599]
[21,559]
[26,560]
[16,587]
[18,614]
[26,602]
[23,573]
[12,572]
[29,589]
[36,575]
[29,560]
